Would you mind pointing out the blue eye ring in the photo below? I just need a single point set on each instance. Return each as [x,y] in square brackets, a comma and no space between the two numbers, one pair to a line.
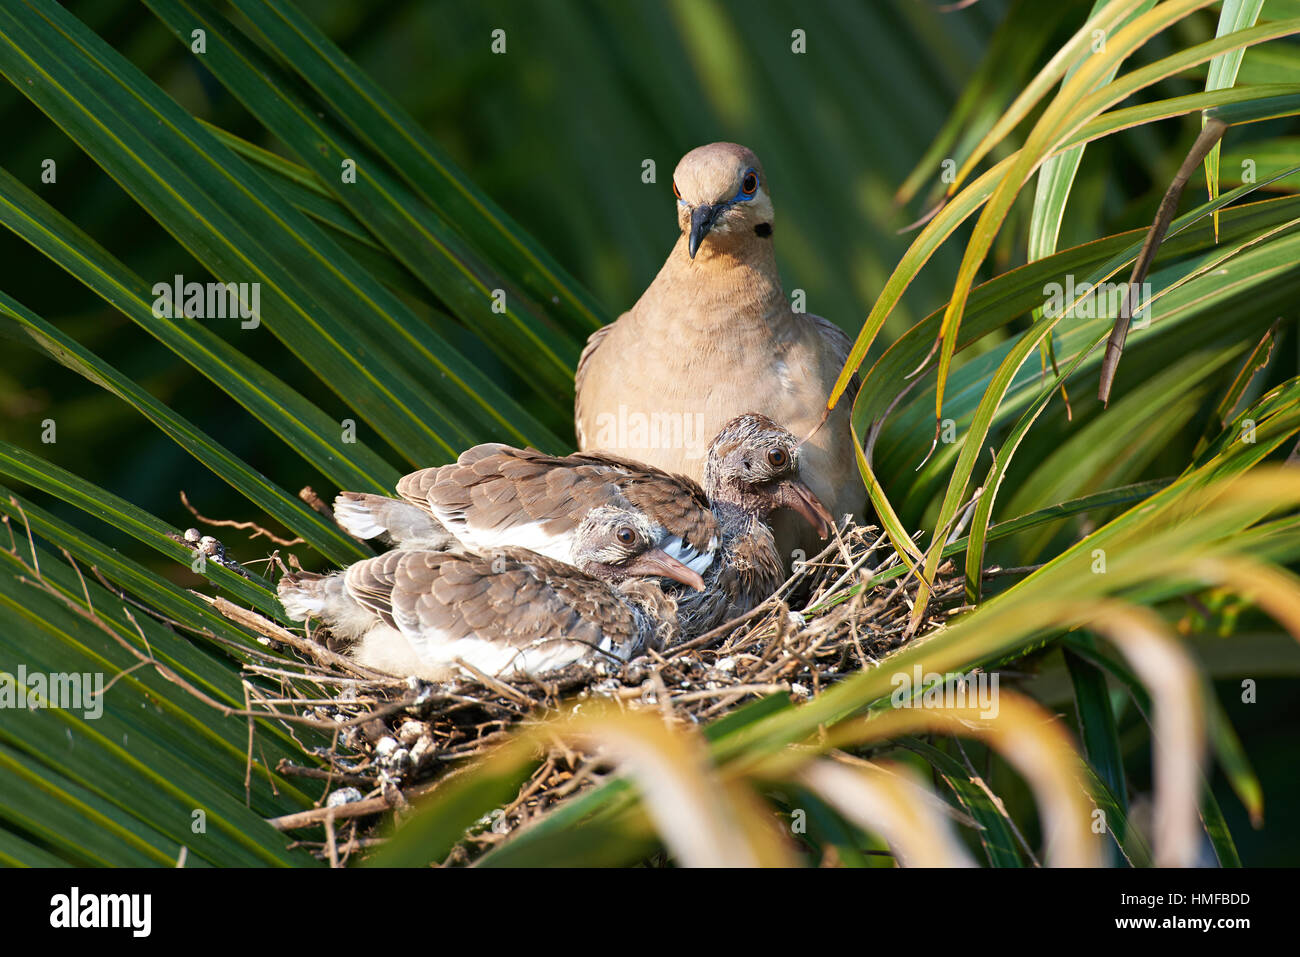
[749,184]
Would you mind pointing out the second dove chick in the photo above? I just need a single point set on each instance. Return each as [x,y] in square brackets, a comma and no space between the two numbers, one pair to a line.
[752,470]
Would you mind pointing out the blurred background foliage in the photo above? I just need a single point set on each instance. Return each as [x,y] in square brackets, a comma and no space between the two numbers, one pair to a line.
[557,130]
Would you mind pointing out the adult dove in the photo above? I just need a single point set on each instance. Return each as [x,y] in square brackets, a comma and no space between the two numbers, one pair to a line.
[714,336]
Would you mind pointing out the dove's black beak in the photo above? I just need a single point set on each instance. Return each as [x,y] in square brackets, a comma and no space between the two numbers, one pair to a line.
[702,219]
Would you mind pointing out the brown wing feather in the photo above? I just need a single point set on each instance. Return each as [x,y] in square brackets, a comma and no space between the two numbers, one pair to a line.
[512,596]
[415,486]
[370,583]
[505,487]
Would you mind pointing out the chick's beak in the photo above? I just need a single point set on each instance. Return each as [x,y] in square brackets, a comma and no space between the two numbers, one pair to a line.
[702,219]
[797,496]
[656,563]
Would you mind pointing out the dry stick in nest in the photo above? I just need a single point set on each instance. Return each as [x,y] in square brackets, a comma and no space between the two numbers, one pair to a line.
[854,566]
[363,808]
[766,605]
[308,495]
[500,687]
[289,769]
[258,530]
[317,652]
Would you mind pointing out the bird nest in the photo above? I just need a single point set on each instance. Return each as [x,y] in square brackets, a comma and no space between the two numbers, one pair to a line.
[388,740]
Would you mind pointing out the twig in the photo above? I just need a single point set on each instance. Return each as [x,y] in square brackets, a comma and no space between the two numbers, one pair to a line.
[228,523]
[264,626]
[363,808]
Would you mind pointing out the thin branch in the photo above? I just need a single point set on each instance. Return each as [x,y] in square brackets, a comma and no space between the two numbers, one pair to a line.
[228,523]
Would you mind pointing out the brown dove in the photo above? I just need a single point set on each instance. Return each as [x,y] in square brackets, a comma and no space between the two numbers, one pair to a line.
[506,612]
[715,336]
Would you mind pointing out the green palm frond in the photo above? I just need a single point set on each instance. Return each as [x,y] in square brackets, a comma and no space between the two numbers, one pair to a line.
[403,314]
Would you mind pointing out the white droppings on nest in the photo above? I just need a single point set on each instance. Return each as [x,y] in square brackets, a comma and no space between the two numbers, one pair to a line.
[796,619]
[391,760]
[422,751]
[800,691]
[635,672]
[725,664]
[343,796]
[411,731]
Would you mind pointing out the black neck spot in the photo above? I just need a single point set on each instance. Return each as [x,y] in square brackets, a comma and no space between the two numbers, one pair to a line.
[763,229]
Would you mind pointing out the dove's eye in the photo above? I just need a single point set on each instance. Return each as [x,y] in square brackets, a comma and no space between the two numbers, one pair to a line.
[777,458]
[676,192]
[626,536]
[749,185]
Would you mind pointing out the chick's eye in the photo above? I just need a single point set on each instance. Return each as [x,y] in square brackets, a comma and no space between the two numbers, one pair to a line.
[777,458]
[625,535]
[749,185]
[676,192]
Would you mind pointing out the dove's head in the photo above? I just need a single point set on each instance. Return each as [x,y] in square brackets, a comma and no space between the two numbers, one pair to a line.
[721,194]
[753,463]
[616,543]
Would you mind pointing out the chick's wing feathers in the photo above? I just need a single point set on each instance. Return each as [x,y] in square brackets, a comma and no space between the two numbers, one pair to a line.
[512,596]
[488,494]
[370,583]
